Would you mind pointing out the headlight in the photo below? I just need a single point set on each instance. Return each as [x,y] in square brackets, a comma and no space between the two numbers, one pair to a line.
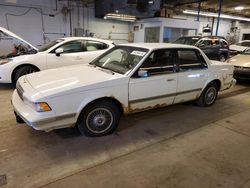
[4,61]
[42,107]
[37,106]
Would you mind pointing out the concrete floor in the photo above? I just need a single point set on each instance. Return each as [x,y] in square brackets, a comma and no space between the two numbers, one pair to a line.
[178,146]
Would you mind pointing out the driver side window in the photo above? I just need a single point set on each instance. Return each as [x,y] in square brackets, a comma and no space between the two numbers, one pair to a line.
[159,62]
[72,47]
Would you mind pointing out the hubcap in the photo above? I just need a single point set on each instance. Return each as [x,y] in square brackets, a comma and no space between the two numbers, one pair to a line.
[210,95]
[99,120]
[222,58]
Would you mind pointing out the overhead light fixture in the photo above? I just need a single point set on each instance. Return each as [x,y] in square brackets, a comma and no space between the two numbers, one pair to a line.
[215,15]
[239,8]
[151,2]
[120,17]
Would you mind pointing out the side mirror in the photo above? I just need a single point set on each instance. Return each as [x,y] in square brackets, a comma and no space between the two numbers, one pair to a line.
[59,51]
[143,73]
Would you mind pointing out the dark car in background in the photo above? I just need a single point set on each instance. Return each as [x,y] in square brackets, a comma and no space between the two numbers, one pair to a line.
[215,47]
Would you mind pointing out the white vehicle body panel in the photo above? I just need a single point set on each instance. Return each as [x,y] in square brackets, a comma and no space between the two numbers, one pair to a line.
[240,48]
[69,90]
[240,60]
[47,60]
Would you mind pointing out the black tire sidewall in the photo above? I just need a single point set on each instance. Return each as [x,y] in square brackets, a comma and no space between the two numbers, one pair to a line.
[100,104]
[20,72]
[222,55]
[201,101]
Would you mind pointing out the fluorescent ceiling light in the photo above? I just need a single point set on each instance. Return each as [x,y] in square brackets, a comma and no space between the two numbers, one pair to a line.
[121,17]
[215,15]
[239,8]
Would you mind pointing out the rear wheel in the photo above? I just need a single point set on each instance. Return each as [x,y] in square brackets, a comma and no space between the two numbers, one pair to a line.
[223,57]
[23,71]
[209,95]
[99,119]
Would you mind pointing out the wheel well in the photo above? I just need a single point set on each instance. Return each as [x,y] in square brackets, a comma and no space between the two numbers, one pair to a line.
[18,67]
[218,83]
[111,99]
[225,54]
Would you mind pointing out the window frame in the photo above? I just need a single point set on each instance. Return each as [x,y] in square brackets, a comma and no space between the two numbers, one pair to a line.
[66,42]
[102,43]
[135,75]
[198,54]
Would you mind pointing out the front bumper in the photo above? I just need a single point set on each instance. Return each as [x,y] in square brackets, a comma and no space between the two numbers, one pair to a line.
[5,74]
[45,121]
[242,73]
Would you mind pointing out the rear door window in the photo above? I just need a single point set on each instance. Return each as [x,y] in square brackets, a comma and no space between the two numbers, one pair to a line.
[95,45]
[190,60]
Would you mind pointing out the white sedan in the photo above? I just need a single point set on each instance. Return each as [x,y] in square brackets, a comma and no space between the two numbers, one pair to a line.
[127,79]
[58,53]
[241,63]
[239,47]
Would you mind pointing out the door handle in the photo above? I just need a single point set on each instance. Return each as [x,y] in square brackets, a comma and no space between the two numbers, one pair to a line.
[170,79]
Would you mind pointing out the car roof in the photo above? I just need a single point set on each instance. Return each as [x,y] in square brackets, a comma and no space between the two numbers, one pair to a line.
[152,46]
[209,37]
[244,41]
[87,38]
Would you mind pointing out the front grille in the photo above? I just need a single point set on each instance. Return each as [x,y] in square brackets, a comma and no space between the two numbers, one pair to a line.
[19,90]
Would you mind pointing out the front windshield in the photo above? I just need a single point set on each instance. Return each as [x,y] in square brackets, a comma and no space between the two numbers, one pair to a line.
[187,40]
[49,45]
[121,59]
[245,44]
[247,51]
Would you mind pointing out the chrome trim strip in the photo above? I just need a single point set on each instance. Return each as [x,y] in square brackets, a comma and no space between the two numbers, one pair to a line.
[163,96]
[56,118]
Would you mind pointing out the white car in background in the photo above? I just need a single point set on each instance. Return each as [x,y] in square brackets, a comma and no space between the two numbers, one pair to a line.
[241,63]
[239,47]
[61,52]
[127,79]
[12,45]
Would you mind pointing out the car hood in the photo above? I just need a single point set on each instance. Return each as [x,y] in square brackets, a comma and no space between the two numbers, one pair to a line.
[71,79]
[237,48]
[240,60]
[7,32]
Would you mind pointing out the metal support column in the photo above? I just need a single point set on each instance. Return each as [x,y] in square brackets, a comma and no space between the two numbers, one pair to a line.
[199,9]
[218,19]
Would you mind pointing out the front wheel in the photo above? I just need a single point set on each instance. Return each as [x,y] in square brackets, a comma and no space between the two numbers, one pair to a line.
[99,119]
[209,95]
[23,71]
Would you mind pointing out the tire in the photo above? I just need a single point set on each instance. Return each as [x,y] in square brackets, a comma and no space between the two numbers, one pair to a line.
[208,96]
[23,71]
[99,119]
[222,58]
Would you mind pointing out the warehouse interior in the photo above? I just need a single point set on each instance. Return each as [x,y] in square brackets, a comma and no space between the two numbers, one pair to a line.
[182,145]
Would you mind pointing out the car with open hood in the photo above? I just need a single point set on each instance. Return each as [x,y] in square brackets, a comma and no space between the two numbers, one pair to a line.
[11,45]
[128,78]
[241,63]
[61,52]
